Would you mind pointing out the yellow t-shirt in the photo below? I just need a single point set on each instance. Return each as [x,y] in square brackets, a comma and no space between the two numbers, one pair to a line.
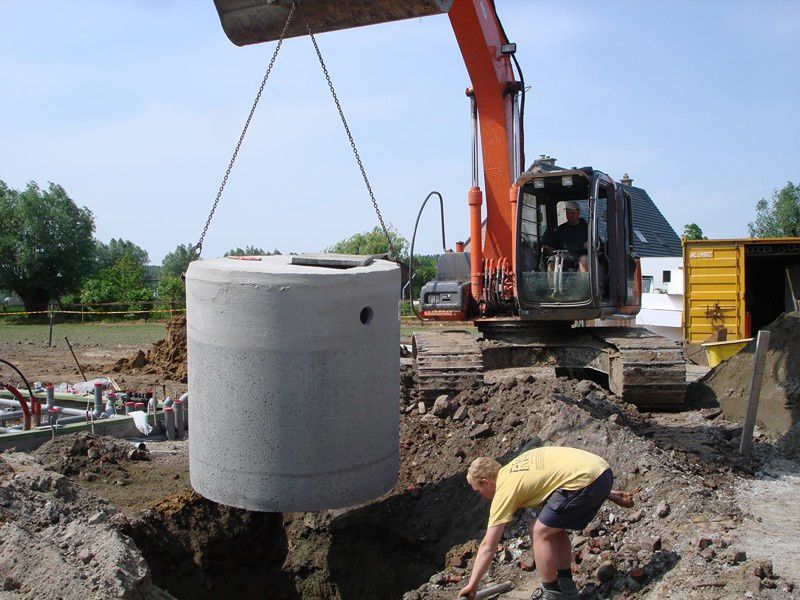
[532,476]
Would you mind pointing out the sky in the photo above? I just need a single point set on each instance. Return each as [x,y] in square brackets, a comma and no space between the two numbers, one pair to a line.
[135,106]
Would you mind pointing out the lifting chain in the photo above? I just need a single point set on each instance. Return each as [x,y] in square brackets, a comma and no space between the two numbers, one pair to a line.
[352,141]
[195,250]
[198,248]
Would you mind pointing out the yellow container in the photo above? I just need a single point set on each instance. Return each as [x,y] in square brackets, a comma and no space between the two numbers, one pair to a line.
[718,352]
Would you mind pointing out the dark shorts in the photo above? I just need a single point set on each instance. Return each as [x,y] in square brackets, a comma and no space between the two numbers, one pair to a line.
[574,509]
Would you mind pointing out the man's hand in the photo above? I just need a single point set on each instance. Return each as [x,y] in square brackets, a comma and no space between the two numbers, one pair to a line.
[483,560]
[468,591]
[547,249]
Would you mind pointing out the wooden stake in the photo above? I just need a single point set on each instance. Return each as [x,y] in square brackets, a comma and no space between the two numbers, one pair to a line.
[762,344]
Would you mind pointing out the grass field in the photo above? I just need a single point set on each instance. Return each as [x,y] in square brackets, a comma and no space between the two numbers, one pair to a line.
[133,334]
[103,334]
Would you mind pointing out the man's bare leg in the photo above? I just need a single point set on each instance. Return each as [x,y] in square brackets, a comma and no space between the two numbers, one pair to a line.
[583,264]
[622,498]
[551,550]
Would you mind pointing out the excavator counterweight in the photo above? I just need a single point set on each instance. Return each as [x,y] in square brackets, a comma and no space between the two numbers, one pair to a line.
[253,21]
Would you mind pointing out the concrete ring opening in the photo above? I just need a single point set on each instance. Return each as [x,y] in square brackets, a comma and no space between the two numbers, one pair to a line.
[366,315]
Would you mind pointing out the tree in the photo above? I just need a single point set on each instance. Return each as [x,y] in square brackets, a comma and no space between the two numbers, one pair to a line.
[372,242]
[692,231]
[781,217]
[251,251]
[424,271]
[121,282]
[176,262]
[171,290]
[46,244]
[107,255]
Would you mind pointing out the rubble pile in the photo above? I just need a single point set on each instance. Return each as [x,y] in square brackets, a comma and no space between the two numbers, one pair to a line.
[679,539]
[166,357]
[684,513]
[58,541]
[89,457]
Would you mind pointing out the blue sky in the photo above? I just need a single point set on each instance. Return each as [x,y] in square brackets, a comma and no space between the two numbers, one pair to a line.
[134,106]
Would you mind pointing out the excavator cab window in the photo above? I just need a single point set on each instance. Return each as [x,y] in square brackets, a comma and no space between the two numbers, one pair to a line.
[554,247]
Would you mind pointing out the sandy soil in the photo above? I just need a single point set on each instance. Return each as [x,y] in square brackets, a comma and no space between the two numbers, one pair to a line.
[695,532]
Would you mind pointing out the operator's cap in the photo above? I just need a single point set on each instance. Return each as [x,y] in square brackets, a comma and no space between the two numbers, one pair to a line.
[572,205]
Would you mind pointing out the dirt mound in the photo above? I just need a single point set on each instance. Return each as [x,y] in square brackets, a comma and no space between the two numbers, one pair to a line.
[58,541]
[166,357]
[729,383]
[89,457]
[199,549]
[428,522]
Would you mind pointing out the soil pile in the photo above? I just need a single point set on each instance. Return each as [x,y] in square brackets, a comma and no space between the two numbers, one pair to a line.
[58,541]
[679,541]
[90,457]
[167,357]
[729,383]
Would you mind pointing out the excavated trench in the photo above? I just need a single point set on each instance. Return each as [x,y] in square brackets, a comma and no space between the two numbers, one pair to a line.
[199,549]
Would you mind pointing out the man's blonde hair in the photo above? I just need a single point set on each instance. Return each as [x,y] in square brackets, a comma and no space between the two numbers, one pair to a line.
[483,467]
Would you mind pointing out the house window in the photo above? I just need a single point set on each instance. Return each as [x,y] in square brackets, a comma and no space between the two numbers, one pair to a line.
[647,284]
[640,235]
[666,276]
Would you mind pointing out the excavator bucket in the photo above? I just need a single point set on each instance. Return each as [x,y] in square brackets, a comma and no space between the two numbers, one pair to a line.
[253,21]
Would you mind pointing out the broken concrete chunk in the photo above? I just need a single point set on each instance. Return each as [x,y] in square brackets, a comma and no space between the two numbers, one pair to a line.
[481,431]
[606,571]
[421,408]
[441,406]
[460,414]
[663,509]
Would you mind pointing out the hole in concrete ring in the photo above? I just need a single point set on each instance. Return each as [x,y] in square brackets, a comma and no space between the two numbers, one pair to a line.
[366,315]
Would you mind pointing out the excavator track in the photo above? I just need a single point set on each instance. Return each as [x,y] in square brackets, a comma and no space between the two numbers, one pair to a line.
[646,369]
[446,362]
[643,368]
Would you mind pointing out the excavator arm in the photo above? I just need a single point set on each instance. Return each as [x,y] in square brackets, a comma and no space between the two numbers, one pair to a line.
[494,92]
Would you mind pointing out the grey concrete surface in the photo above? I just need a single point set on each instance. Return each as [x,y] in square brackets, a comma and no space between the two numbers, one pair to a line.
[294,398]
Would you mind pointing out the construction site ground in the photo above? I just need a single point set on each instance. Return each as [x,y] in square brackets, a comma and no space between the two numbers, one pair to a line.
[95,517]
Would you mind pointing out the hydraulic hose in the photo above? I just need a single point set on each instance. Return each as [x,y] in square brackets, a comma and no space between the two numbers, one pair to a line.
[413,239]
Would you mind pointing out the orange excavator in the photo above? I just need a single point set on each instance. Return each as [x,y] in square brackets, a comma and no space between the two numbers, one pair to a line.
[532,274]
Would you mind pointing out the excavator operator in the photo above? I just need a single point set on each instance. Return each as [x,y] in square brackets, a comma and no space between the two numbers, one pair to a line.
[572,236]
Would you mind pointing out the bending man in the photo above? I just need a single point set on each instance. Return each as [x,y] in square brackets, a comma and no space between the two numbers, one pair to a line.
[572,484]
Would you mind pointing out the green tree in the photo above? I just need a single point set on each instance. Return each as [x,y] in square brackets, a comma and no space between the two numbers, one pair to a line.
[251,251]
[692,231]
[123,281]
[171,290]
[46,244]
[176,262]
[107,255]
[779,218]
[372,242]
[424,271]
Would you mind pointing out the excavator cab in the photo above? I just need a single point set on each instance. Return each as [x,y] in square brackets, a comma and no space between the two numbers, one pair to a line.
[579,266]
